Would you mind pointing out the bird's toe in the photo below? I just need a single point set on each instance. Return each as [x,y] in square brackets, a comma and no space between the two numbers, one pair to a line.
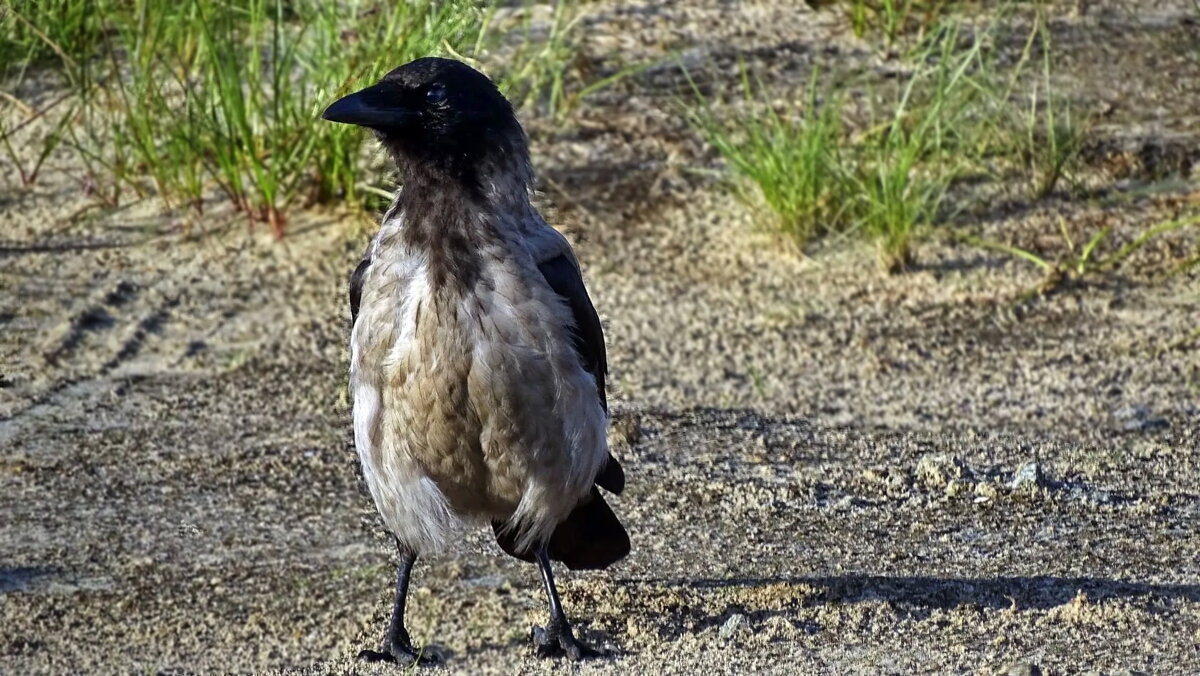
[561,642]
[404,655]
[375,656]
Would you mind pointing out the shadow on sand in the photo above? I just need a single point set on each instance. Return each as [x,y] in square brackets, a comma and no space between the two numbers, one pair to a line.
[1039,592]
[24,578]
[914,596]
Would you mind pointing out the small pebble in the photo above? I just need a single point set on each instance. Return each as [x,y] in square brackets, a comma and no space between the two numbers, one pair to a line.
[986,490]
[937,470]
[1138,419]
[736,624]
[1030,475]
[1023,669]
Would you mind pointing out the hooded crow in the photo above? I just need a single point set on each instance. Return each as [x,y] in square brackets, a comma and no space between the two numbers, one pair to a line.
[477,359]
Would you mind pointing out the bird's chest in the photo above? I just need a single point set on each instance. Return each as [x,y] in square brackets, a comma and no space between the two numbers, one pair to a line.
[445,355]
[435,336]
[418,344]
[463,383]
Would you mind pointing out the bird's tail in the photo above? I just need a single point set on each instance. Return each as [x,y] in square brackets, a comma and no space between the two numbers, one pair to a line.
[590,538]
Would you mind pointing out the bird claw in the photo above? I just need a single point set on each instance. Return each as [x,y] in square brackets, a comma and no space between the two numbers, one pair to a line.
[404,655]
[558,641]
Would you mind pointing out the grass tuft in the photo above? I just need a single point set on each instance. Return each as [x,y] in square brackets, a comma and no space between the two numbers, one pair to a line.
[227,97]
[903,172]
[1079,261]
[815,174]
[790,164]
[37,32]
[547,70]
[1053,134]
[192,100]
[894,18]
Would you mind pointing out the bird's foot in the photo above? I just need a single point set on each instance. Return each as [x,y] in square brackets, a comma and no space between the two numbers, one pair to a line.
[558,640]
[404,655]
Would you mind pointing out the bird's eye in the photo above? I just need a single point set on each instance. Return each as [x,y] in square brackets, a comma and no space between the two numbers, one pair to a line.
[435,94]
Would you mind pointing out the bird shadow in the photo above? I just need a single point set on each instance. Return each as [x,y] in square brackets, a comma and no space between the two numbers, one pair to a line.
[24,578]
[915,596]
[602,643]
[1038,592]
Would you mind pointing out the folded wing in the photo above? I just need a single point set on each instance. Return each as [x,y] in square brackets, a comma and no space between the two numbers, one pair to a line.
[591,536]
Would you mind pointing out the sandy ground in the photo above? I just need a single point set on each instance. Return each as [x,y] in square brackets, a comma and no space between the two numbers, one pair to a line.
[831,471]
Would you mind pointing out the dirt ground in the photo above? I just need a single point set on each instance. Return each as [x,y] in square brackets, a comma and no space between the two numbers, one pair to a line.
[830,470]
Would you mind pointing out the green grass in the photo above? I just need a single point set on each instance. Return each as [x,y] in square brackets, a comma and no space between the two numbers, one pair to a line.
[211,96]
[814,173]
[902,172]
[791,165]
[546,70]
[193,100]
[1078,261]
[954,114]
[894,18]
[1026,120]
[1053,132]
[543,52]
[34,32]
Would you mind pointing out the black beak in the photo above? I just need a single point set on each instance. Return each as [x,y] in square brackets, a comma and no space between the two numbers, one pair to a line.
[376,106]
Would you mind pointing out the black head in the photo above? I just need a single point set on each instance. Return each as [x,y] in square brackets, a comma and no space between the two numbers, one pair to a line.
[438,113]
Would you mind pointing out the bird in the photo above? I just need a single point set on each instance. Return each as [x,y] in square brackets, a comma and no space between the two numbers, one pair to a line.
[477,359]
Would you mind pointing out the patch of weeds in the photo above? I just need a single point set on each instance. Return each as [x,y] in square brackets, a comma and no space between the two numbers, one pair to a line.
[32,33]
[36,32]
[815,175]
[1080,260]
[1053,133]
[906,165]
[791,164]
[1040,132]
[894,18]
[545,69]
[1070,266]
[894,197]
[228,96]
[189,100]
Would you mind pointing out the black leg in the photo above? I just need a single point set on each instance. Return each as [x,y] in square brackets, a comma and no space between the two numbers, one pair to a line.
[397,646]
[556,638]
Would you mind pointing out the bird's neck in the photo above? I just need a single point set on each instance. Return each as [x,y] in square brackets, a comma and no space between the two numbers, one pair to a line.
[449,218]
[446,194]
[485,169]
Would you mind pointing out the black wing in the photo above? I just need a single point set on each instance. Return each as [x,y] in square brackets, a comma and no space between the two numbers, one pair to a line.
[590,538]
[356,283]
[563,276]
